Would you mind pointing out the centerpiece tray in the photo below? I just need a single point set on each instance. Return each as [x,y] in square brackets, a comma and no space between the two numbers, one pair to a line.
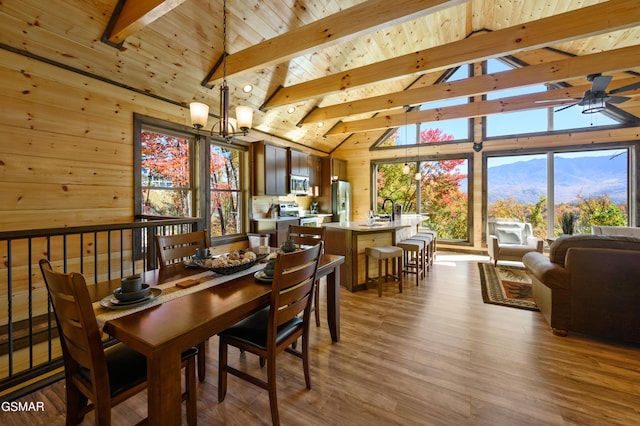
[229,263]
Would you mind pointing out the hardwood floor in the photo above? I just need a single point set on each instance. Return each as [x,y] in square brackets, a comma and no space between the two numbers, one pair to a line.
[433,355]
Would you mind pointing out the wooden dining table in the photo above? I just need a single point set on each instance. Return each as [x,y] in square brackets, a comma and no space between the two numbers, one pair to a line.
[163,331]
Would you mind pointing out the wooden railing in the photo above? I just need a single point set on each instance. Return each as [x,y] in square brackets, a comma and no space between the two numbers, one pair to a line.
[29,347]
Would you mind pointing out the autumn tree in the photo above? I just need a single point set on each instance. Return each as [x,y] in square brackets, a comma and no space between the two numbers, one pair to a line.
[165,165]
[440,192]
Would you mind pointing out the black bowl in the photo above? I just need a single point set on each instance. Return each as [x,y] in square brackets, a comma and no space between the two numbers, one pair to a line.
[132,295]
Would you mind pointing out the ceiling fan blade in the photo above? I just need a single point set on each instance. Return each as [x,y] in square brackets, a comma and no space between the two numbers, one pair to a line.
[600,83]
[625,88]
[563,108]
[616,99]
[542,101]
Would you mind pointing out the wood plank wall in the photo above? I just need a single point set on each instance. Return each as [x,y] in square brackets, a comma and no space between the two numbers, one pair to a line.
[67,148]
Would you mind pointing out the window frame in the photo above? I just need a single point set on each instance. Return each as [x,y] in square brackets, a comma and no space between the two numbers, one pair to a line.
[633,196]
[200,173]
[468,157]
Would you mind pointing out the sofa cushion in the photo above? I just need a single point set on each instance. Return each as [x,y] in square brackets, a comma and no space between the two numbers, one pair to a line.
[625,231]
[558,250]
[509,235]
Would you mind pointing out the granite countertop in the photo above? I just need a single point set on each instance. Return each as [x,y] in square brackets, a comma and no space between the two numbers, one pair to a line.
[281,218]
[380,225]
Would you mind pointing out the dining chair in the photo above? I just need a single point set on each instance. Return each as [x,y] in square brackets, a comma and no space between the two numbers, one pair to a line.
[106,377]
[309,235]
[275,328]
[176,248]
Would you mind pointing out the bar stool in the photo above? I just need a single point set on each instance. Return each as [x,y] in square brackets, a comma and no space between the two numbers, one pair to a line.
[427,240]
[414,257]
[384,253]
[433,234]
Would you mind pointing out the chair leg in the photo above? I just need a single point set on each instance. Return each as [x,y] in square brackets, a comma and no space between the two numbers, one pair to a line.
[273,396]
[222,370]
[192,397]
[379,277]
[202,359]
[316,303]
[400,268]
[76,402]
[305,361]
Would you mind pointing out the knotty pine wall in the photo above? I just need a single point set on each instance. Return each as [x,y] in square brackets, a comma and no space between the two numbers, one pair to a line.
[67,148]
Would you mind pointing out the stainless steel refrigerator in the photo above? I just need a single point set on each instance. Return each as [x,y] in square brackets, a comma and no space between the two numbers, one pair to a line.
[341,201]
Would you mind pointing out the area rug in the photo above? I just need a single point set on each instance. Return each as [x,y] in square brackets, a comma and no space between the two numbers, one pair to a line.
[506,286]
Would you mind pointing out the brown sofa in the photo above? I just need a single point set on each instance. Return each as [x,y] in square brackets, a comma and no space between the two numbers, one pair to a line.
[589,284]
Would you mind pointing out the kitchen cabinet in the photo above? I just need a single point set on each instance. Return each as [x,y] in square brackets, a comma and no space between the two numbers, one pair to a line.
[339,168]
[298,163]
[315,173]
[270,166]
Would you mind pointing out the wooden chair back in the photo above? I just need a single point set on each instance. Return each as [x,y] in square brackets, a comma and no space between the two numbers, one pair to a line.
[76,320]
[80,337]
[306,235]
[293,286]
[178,247]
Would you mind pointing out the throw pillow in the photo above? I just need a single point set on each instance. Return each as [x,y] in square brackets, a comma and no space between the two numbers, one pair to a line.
[509,236]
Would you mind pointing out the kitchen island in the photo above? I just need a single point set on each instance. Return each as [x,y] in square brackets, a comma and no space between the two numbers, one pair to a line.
[350,239]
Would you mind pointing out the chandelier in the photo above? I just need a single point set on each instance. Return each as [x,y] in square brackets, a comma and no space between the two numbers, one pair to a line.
[226,127]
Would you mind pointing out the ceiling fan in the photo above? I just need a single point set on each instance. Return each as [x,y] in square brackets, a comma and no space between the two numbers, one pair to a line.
[595,99]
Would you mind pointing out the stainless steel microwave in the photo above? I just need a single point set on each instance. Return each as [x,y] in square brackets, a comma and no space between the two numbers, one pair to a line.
[299,185]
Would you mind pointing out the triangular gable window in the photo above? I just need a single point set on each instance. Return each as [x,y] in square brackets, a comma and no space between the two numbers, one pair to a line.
[437,131]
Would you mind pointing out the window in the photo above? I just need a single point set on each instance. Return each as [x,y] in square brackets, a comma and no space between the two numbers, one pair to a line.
[441,192]
[166,173]
[593,185]
[226,194]
[439,131]
[182,174]
[536,120]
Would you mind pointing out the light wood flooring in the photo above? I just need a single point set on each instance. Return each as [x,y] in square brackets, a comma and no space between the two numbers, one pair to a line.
[433,355]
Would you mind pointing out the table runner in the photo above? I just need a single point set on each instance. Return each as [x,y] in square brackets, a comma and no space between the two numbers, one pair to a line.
[170,292]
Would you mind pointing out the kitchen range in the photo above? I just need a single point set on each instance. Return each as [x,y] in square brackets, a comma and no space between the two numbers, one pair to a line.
[293,210]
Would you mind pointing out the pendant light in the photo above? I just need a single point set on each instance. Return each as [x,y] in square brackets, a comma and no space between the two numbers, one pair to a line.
[227,127]
[406,169]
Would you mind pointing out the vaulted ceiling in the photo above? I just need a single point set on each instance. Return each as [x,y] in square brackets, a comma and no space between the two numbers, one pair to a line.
[349,65]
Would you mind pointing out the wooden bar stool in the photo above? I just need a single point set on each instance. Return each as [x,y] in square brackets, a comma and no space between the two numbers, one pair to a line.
[434,241]
[384,253]
[413,257]
[429,249]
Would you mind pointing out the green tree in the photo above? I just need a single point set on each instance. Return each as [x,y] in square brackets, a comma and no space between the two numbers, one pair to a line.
[599,210]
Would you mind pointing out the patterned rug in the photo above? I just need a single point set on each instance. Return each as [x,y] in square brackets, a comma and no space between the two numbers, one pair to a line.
[506,286]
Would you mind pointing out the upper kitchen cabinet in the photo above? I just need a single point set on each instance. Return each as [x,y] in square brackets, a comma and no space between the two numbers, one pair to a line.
[315,173]
[334,169]
[270,166]
[298,162]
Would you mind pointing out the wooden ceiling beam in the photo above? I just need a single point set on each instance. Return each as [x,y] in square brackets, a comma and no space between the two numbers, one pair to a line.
[588,21]
[550,72]
[473,109]
[368,16]
[137,14]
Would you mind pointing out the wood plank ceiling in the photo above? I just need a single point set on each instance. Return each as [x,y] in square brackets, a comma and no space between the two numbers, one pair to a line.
[349,64]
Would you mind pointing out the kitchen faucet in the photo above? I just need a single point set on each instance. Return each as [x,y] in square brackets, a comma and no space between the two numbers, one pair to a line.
[384,203]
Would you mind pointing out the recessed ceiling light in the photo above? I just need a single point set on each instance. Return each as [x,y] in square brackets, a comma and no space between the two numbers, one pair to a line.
[291,109]
[247,88]
[320,124]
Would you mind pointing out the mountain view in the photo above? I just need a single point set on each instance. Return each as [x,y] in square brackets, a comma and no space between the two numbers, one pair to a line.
[526,180]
